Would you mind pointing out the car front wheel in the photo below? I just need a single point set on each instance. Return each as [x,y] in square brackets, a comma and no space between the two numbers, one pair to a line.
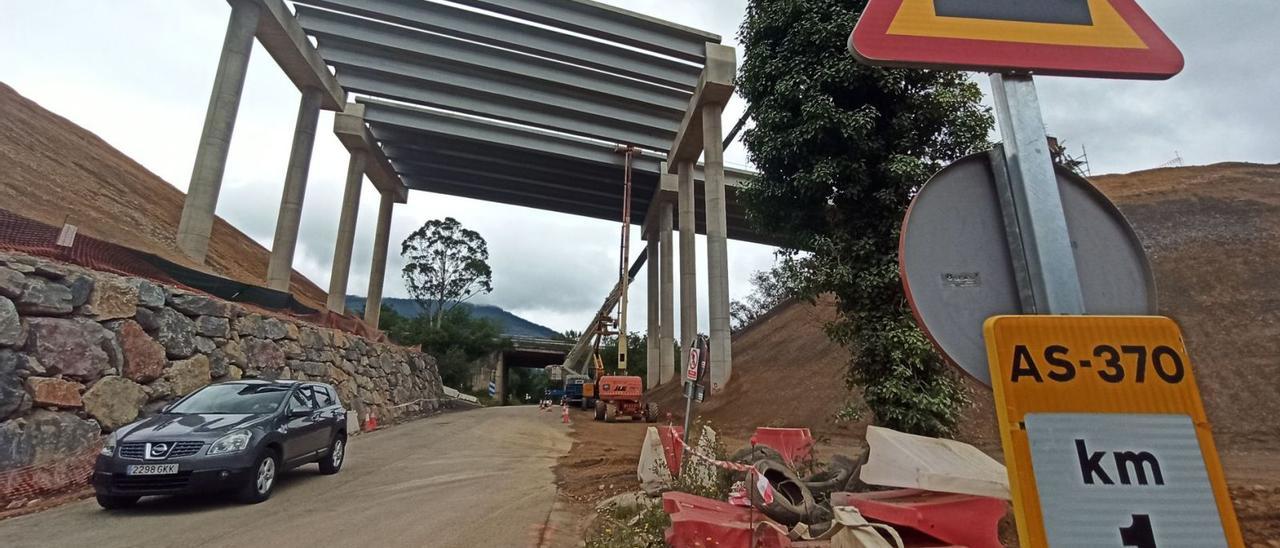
[108,502]
[332,462]
[262,478]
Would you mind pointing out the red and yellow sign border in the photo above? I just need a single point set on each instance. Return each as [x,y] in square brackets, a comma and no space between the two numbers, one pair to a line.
[1123,42]
[1088,393]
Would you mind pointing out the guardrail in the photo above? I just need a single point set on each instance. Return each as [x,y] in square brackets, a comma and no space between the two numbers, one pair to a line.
[449,392]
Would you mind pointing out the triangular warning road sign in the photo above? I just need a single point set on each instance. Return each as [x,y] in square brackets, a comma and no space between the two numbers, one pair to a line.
[1100,38]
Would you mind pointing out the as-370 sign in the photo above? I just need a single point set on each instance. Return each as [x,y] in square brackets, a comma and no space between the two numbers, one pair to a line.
[1104,434]
[1104,38]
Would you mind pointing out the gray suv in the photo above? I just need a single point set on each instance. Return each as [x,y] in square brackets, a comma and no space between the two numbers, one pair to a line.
[234,436]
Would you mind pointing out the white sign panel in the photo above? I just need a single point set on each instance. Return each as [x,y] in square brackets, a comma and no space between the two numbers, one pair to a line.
[1122,480]
[67,237]
[691,372]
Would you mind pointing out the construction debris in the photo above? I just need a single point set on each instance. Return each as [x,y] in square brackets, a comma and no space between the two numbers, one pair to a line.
[956,498]
[933,464]
[653,470]
[962,520]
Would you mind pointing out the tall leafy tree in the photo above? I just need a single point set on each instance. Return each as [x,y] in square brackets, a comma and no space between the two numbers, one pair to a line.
[637,355]
[445,265]
[769,288]
[841,148]
[456,342]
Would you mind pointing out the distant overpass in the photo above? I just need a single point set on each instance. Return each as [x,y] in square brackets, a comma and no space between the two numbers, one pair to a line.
[526,352]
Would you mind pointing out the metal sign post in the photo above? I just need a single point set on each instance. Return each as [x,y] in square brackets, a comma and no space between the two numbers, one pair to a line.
[694,373]
[1038,222]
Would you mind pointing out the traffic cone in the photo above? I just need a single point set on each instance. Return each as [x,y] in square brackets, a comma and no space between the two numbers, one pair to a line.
[564,413]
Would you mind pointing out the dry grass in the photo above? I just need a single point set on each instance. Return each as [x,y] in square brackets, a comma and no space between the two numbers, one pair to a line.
[52,171]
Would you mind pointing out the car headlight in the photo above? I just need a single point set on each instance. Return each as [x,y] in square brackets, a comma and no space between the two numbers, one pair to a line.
[231,443]
[109,446]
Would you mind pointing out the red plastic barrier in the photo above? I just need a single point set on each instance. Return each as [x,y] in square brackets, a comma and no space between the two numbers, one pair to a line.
[795,444]
[965,520]
[702,522]
[671,447]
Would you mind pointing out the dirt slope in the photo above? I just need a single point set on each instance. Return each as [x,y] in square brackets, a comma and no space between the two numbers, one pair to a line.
[1213,234]
[52,170]
[786,372]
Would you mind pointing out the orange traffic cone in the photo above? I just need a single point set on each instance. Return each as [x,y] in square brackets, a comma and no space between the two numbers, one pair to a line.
[564,413]
[370,423]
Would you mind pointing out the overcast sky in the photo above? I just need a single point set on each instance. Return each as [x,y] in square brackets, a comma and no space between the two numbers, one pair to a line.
[138,73]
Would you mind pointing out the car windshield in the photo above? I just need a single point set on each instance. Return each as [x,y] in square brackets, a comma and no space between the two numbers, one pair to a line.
[234,399]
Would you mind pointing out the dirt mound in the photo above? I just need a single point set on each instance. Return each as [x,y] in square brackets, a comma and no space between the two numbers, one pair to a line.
[1213,234]
[54,171]
[786,372]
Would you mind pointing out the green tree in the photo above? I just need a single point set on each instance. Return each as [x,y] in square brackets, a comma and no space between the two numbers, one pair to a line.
[841,148]
[456,341]
[445,265]
[637,355]
[522,382]
[769,288]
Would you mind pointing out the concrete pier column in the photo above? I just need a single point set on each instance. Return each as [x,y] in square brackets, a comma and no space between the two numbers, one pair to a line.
[378,268]
[215,139]
[666,302]
[717,248]
[346,233]
[688,262]
[501,379]
[280,269]
[651,335]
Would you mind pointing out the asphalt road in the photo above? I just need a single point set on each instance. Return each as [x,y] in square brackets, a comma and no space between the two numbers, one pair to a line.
[473,478]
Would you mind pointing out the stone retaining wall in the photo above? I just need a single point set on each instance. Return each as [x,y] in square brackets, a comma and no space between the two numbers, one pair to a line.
[85,352]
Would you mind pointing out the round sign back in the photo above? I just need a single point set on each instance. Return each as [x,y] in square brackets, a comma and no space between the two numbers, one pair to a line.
[957,269]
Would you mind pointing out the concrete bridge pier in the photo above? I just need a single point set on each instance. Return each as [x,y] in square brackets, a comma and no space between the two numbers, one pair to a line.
[717,247]
[688,261]
[378,266]
[366,159]
[341,268]
[652,266]
[500,377]
[280,269]
[666,305]
[657,230]
[215,139]
[700,134]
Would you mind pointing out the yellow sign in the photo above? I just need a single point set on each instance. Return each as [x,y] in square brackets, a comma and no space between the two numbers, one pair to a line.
[1105,436]
[1107,27]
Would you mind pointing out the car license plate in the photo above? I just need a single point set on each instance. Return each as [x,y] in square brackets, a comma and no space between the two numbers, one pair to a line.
[152,469]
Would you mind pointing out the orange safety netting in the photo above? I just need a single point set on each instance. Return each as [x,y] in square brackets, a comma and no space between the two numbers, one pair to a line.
[19,233]
[42,480]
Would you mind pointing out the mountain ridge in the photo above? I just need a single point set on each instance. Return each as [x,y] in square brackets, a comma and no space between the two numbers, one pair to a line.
[510,324]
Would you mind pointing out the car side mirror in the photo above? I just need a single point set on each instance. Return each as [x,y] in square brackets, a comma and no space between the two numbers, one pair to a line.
[299,413]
